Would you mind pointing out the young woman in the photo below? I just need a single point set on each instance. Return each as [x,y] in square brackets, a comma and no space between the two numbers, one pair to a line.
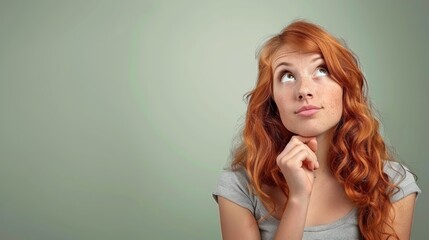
[312,163]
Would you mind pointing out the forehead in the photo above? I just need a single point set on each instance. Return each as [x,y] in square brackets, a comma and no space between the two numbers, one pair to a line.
[288,52]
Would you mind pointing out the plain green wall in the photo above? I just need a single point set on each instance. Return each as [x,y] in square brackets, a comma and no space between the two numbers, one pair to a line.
[117,116]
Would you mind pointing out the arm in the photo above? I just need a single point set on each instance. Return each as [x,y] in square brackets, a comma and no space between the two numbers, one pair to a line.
[293,219]
[404,210]
[237,222]
[297,163]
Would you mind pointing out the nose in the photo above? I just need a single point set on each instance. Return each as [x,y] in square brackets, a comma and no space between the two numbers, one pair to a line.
[305,89]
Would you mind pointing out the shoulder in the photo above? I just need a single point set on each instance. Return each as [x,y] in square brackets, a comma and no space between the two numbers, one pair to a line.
[395,170]
[401,176]
[235,176]
[234,185]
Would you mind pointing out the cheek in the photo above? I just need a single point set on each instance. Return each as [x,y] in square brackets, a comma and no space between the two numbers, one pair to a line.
[284,106]
[336,104]
[280,100]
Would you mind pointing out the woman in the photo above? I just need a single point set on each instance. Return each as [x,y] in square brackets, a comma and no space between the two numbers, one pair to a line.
[312,163]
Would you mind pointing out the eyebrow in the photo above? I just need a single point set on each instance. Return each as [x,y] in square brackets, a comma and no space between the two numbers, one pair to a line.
[288,64]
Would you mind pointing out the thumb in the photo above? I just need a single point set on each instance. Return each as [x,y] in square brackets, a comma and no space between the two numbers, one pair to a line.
[312,144]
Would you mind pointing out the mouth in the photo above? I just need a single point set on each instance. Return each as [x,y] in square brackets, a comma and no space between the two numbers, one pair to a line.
[308,110]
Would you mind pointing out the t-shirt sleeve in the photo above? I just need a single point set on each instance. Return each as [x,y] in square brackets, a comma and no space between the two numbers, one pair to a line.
[234,186]
[401,175]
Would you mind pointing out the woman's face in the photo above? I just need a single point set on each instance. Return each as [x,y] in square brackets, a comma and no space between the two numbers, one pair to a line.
[309,101]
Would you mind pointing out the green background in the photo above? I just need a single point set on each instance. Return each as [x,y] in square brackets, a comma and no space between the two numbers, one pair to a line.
[117,116]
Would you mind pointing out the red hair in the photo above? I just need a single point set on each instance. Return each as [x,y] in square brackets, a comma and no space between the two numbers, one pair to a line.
[357,151]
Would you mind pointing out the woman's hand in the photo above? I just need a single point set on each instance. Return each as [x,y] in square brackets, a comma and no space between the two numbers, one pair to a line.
[297,162]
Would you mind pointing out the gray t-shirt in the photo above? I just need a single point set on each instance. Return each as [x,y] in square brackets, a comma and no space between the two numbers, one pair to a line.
[234,186]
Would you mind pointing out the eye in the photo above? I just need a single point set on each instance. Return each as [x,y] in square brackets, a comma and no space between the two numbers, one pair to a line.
[287,77]
[321,72]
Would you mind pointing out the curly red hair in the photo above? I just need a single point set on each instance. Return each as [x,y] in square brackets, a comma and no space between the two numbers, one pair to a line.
[357,151]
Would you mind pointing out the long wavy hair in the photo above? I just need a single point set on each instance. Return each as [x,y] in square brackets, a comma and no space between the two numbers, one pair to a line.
[357,151]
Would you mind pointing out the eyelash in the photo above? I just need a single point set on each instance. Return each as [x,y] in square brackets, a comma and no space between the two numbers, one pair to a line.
[323,67]
[284,72]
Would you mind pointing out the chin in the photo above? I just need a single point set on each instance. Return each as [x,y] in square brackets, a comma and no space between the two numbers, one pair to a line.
[308,132]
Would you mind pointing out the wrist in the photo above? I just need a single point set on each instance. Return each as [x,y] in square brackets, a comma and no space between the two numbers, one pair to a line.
[297,200]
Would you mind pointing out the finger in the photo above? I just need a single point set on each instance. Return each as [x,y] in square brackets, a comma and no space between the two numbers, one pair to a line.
[312,144]
[311,161]
[295,140]
[309,141]
[293,155]
[297,148]
[291,149]
[303,158]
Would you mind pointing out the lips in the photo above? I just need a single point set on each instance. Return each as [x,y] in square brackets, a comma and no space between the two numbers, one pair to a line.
[308,110]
